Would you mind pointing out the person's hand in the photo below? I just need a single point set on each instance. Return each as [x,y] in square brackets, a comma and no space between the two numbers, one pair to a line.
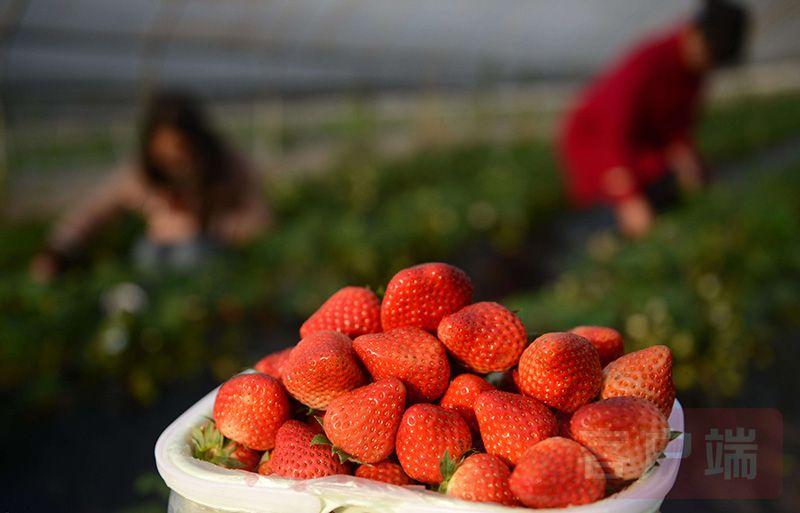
[634,217]
[688,169]
[44,267]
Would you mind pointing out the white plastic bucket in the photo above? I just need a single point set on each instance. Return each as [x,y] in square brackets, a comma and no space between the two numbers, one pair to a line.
[199,486]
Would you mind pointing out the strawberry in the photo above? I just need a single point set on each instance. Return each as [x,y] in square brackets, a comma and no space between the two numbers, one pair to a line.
[353,311]
[646,374]
[320,368]
[410,354]
[249,408]
[626,434]
[562,370]
[482,478]
[461,395]
[208,444]
[421,295]
[263,467]
[385,472]
[363,423]
[272,364]
[511,423]
[247,457]
[427,434]
[295,457]
[556,473]
[486,337]
[607,341]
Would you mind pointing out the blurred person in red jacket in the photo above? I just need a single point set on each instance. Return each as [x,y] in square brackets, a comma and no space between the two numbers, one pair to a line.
[193,191]
[628,143]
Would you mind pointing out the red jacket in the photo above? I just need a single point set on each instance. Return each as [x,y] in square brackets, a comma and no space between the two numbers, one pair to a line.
[628,117]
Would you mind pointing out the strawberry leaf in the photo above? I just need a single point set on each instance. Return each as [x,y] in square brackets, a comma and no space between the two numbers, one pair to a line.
[208,444]
[207,441]
[379,291]
[304,410]
[447,467]
[320,439]
[345,457]
[674,434]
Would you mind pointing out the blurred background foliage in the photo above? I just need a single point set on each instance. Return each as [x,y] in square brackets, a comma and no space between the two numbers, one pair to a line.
[717,280]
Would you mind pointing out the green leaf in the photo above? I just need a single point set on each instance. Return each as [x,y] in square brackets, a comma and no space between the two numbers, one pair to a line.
[307,411]
[447,467]
[320,439]
[345,457]
[674,434]
[207,441]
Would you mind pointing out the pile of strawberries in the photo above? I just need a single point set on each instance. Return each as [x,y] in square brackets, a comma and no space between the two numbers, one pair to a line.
[426,387]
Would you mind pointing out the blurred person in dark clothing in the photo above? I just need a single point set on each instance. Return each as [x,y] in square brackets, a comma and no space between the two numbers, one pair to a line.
[629,143]
[194,193]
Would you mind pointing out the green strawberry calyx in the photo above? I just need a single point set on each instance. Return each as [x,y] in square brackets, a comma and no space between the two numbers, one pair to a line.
[448,466]
[208,444]
[672,436]
[344,457]
[306,411]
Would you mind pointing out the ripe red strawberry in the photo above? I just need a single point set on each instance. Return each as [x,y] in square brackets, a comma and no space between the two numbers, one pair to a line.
[485,336]
[353,311]
[322,367]
[249,408]
[263,467]
[208,444]
[363,423]
[421,295]
[562,370]
[427,432]
[646,374]
[511,423]
[461,395]
[410,354]
[626,434]
[295,457]
[247,457]
[385,472]
[607,341]
[272,364]
[482,478]
[556,473]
